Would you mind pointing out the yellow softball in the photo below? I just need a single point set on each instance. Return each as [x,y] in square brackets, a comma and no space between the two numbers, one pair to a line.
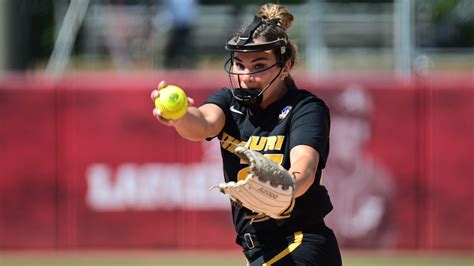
[172,102]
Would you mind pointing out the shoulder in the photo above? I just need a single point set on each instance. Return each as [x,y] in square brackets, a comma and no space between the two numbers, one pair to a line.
[221,97]
[223,92]
[308,100]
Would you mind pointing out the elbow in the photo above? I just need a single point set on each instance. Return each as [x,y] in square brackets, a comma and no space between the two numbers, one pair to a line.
[193,137]
[196,135]
[303,185]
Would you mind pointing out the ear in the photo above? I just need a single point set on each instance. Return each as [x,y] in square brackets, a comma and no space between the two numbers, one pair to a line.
[287,67]
[285,72]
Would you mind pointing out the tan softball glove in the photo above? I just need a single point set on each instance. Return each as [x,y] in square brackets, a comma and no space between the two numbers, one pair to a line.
[267,190]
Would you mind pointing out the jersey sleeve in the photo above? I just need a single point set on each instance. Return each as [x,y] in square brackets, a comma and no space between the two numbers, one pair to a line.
[220,98]
[310,126]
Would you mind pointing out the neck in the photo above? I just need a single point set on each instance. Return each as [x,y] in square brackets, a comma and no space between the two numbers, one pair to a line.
[274,95]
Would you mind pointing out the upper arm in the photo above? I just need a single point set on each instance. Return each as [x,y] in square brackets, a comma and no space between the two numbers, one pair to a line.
[310,126]
[305,153]
[214,117]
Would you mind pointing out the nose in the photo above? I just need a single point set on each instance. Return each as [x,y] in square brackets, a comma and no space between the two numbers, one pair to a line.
[247,76]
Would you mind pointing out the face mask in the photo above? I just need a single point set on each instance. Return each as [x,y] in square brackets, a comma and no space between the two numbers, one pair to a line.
[248,97]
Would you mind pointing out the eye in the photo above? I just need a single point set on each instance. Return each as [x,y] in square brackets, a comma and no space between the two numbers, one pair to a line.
[259,66]
[239,66]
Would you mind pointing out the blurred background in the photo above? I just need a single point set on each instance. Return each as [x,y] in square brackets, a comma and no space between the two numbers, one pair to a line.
[85,167]
[333,35]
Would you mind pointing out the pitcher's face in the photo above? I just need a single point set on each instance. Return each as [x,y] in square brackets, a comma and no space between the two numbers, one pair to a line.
[254,70]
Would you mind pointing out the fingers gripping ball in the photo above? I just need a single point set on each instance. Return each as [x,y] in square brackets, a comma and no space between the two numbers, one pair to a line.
[172,102]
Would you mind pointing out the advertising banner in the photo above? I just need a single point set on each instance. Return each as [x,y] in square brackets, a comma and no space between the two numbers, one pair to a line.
[84,164]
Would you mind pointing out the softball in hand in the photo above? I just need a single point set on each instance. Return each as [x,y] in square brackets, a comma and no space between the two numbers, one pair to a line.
[172,102]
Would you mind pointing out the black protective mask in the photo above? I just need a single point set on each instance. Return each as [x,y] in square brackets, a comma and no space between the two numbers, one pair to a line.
[248,97]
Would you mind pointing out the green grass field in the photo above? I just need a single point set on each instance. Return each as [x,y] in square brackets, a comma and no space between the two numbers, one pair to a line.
[149,258]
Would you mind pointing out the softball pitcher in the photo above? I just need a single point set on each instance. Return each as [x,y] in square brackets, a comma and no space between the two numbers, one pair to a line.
[274,145]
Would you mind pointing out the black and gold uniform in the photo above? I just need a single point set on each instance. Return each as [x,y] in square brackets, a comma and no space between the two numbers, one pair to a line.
[298,118]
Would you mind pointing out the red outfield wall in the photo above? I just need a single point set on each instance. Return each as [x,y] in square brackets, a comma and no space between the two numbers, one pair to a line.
[85,165]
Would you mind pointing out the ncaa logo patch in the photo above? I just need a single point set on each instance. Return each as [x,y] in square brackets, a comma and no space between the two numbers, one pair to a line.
[284,112]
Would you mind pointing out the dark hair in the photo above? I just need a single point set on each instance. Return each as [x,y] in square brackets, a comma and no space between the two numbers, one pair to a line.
[277,19]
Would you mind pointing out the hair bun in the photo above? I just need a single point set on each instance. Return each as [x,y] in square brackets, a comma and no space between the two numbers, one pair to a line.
[277,14]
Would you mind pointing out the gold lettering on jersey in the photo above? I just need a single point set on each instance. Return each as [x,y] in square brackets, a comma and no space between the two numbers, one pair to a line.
[256,143]
[278,158]
[230,143]
[279,142]
[226,140]
[271,141]
[274,143]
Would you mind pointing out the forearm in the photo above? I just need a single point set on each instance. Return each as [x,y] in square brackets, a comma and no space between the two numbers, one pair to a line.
[304,164]
[193,125]
[304,179]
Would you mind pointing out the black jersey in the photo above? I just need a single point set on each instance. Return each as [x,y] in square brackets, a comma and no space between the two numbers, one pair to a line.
[298,118]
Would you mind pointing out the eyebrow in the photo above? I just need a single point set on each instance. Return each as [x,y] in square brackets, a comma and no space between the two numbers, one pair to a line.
[255,60]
